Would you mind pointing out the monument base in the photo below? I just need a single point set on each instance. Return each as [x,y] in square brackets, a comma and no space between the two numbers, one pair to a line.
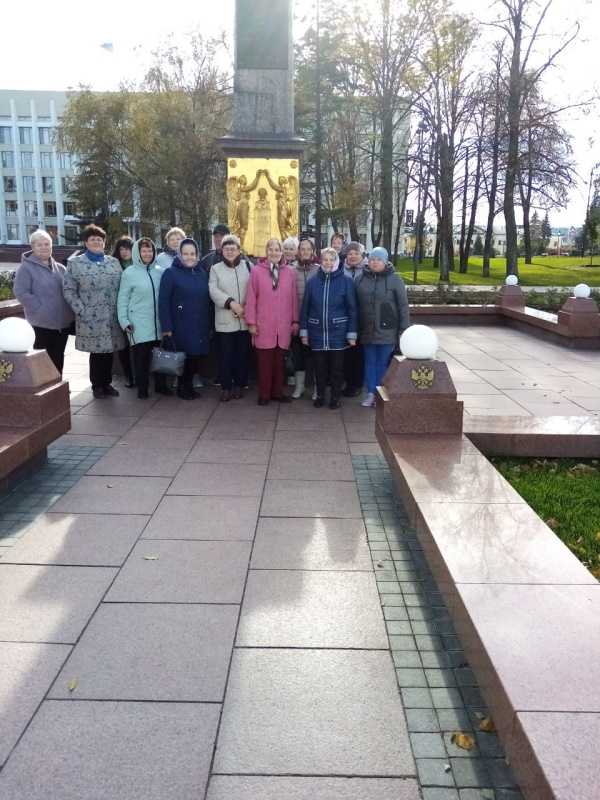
[580,316]
[511,297]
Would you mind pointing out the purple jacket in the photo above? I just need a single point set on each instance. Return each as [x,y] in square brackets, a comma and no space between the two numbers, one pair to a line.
[39,289]
[273,311]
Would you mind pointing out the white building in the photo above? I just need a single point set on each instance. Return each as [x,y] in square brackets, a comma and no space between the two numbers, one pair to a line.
[34,174]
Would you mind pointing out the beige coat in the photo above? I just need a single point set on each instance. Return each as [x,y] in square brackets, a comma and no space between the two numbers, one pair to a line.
[228,283]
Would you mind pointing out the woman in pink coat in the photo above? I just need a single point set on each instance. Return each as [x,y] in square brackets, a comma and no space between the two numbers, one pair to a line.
[272,316]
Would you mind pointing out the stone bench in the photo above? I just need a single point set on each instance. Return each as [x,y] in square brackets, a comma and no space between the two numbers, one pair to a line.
[526,610]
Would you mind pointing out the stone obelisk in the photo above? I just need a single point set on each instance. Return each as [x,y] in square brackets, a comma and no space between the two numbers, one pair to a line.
[262,150]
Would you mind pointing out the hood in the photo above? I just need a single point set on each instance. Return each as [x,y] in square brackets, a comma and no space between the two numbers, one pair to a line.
[335,273]
[135,253]
[31,259]
[389,269]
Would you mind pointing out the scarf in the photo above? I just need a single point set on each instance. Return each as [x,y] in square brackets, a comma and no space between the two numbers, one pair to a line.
[97,257]
[274,274]
[189,240]
[169,251]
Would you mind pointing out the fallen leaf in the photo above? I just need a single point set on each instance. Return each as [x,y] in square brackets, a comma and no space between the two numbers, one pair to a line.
[379,564]
[463,740]
[151,558]
[109,486]
[552,523]
[487,725]
[72,685]
[447,767]
[598,536]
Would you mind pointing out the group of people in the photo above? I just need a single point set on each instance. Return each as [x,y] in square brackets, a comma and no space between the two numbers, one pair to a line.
[338,319]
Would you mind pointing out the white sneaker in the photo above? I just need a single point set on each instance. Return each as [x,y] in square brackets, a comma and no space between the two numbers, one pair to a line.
[369,401]
[314,394]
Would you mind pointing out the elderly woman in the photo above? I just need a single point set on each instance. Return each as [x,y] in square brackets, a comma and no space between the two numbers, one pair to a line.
[184,311]
[173,239]
[290,249]
[384,315]
[328,324]
[228,285]
[38,286]
[137,308]
[353,358]
[91,284]
[122,251]
[272,317]
[305,265]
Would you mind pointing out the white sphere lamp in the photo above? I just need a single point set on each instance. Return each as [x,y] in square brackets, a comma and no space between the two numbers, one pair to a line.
[16,335]
[582,290]
[419,342]
[511,280]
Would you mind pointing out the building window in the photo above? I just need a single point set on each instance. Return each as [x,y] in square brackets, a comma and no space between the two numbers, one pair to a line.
[10,183]
[5,134]
[31,209]
[67,185]
[29,229]
[70,209]
[26,159]
[64,160]
[49,209]
[12,232]
[8,159]
[71,234]
[46,160]
[45,135]
[12,209]
[25,136]
[53,231]
[29,183]
[48,185]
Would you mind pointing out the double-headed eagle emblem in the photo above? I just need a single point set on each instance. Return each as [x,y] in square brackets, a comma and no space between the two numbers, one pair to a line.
[423,377]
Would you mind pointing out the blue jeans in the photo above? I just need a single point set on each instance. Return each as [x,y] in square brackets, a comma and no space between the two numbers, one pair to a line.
[377,359]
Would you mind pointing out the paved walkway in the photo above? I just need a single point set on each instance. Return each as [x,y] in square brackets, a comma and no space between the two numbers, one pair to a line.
[225,605]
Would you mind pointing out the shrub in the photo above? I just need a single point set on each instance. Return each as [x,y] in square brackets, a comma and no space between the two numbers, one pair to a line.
[6,285]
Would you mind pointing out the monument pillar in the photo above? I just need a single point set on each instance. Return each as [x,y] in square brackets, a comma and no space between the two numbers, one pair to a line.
[262,150]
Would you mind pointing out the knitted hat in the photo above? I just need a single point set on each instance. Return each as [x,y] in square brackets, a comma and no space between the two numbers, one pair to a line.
[379,252]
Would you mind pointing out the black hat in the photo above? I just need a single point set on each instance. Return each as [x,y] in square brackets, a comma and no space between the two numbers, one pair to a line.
[221,229]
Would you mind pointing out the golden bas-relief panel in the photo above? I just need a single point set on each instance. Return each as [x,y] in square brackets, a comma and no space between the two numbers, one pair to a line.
[263,196]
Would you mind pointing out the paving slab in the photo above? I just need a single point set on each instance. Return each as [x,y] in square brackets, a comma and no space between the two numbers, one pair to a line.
[310,422]
[78,539]
[249,430]
[295,442]
[363,432]
[311,466]
[236,480]
[327,544]
[311,609]
[240,451]
[85,440]
[127,405]
[103,426]
[204,517]
[313,712]
[48,603]
[177,413]
[232,787]
[113,751]
[183,572]
[151,652]
[310,499]
[159,439]
[106,495]
[26,673]
[139,460]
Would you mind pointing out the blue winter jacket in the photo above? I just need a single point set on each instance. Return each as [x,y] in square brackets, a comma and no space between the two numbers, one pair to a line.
[184,307]
[329,314]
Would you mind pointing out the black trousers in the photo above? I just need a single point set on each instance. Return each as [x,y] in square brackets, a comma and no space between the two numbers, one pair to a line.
[192,366]
[234,355]
[301,354]
[354,367]
[329,368]
[142,358]
[125,359]
[53,342]
[101,370]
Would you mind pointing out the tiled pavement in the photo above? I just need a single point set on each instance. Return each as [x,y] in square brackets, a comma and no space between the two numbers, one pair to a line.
[200,609]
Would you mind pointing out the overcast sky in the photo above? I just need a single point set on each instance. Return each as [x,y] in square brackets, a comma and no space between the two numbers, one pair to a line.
[59,47]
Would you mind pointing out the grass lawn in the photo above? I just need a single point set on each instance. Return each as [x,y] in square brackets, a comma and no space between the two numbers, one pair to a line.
[545,271]
[565,493]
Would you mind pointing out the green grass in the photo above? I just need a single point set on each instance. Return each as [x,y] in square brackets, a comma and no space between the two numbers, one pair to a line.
[545,271]
[565,493]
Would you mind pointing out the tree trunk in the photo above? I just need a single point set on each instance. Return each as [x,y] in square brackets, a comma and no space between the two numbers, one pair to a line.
[463,257]
[438,242]
[512,160]
[447,239]
[476,188]
[527,231]
[387,180]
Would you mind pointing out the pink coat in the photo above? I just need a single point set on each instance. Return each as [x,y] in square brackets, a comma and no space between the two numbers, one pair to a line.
[273,311]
